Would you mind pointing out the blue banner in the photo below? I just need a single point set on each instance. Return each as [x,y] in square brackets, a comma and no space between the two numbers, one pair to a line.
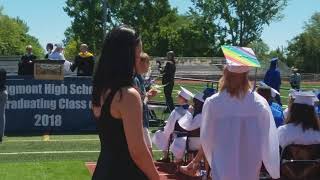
[40,106]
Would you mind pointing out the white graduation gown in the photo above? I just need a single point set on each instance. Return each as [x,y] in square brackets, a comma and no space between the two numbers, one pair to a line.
[237,135]
[294,134]
[188,123]
[161,138]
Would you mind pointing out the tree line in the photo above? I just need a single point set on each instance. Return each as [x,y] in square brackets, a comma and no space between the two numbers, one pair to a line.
[199,32]
[14,37]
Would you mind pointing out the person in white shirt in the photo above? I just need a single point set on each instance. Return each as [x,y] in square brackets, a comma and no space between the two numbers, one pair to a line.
[161,138]
[238,132]
[302,125]
[57,54]
[290,101]
[189,122]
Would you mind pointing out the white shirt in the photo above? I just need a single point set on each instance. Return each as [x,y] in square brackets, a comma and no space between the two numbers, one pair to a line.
[189,123]
[237,135]
[55,55]
[294,134]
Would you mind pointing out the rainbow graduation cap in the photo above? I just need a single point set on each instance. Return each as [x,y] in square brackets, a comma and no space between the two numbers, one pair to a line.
[240,56]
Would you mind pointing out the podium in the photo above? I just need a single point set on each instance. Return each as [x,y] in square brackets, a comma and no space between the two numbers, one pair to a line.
[49,69]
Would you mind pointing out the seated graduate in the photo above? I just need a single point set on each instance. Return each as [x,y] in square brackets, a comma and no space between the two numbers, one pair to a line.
[189,123]
[269,93]
[290,102]
[161,138]
[302,125]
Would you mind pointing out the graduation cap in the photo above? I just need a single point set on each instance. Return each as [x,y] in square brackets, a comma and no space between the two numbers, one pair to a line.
[292,92]
[306,97]
[274,59]
[240,59]
[185,93]
[199,97]
[273,91]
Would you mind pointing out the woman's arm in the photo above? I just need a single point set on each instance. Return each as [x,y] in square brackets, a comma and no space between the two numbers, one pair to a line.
[130,108]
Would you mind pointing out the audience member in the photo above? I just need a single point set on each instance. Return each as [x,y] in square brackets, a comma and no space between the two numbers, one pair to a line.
[117,108]
[168,74]
[302,125]
[26,65]
[266,92]
[142,67]
[238,132]
[186,124]
[161,138]
[83,62]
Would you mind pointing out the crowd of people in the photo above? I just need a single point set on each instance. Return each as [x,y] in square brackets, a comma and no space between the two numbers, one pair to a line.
[239,128]
[235,130]
[83,62]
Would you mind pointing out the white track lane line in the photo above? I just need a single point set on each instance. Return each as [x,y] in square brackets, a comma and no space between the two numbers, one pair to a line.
[52,152]
[53,140]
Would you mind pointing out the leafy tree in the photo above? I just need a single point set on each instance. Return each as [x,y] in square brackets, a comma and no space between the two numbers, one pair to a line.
[14,37]
[181,34]
[87,24]
[304,49]
[239,22]
[88,19]
[260,48]
[71,49]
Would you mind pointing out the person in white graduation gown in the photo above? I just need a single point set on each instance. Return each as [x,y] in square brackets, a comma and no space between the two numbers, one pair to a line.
[290,101]
[188,123]
[161,137]
[302,126]
[238,132]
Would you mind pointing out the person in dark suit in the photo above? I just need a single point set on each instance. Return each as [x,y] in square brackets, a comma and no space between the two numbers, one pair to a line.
[84,61]
[3,101]
[25,66]
[168,73]
[49,49]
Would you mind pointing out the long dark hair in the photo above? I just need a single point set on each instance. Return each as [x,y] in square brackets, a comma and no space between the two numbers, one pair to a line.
[198,105]
[115,68]
[305,115]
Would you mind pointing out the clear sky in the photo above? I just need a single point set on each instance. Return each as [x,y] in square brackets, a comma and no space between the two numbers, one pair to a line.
[48,21]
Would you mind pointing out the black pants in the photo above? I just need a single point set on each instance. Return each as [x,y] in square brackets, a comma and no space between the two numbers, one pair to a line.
[168,95]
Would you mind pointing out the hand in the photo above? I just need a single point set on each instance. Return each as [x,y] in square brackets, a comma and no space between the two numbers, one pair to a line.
[152,93]
[191,109]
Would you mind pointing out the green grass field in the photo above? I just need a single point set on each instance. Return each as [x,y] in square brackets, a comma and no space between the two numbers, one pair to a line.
[63,157]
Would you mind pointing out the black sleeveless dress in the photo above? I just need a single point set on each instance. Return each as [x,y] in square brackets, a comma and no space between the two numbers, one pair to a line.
[115,162]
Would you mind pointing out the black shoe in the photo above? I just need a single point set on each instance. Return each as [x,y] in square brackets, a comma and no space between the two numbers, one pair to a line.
[0,139]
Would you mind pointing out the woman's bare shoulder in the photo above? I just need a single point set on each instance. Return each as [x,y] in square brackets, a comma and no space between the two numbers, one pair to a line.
[127,95]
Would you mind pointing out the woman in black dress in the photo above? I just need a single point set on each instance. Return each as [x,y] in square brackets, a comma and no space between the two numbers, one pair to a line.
[117,107]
